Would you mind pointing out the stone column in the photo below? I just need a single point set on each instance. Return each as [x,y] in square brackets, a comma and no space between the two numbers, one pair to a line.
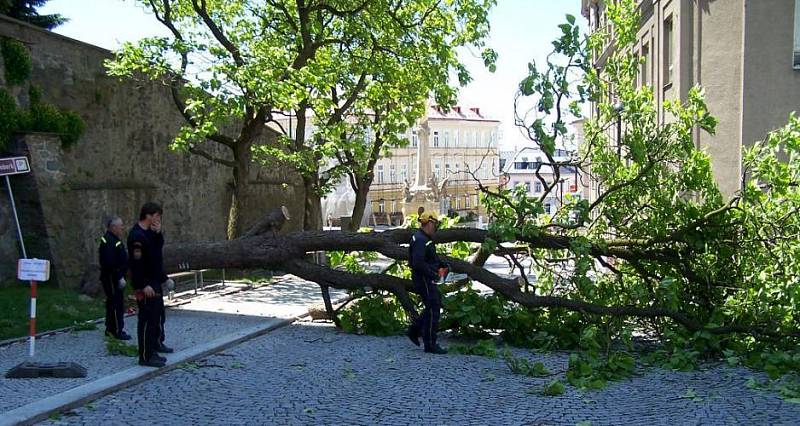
[423,156]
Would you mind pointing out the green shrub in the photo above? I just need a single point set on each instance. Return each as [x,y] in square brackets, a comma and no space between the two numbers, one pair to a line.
[375,315]
[9,118]
[17,61]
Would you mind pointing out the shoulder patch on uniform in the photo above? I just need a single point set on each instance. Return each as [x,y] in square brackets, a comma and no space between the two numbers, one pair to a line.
[428,243]
[119,243]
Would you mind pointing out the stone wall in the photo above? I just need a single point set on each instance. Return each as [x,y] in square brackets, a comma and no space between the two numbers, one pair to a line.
[121,161]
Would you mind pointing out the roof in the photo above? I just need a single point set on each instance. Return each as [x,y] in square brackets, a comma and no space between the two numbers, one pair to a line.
[436,112]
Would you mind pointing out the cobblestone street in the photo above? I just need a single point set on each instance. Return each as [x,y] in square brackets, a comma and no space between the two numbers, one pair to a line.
[308,373]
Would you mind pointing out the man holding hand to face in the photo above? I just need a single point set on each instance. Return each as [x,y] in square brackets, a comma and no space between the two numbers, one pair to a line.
[145,244]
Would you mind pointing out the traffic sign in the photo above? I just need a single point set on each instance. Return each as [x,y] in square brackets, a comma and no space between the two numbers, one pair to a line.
[14,166]
[33,270]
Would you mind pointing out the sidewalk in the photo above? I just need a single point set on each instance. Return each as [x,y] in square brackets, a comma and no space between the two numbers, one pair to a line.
[203,325]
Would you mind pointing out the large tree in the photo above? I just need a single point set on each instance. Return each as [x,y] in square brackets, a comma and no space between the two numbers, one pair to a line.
[25,10]
[658,250]
[240,69]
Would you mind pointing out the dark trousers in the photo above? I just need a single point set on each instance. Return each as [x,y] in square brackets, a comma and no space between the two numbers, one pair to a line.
[148,330]
[115,307]
[162,318]
[427,323]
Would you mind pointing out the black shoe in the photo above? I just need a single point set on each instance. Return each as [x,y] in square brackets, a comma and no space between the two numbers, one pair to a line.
[164,349]
[152,362]
[158,357]
[413,336]
[124,336]
[438,350]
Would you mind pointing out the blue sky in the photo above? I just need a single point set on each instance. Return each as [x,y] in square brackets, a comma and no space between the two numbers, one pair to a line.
[521,31]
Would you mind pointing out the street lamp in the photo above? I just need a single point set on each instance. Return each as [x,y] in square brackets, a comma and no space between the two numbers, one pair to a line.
[618,108]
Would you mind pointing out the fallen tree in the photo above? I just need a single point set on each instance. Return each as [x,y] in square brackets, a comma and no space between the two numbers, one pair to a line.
[658,248]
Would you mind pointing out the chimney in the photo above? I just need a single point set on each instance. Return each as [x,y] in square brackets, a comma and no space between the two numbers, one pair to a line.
[477,111]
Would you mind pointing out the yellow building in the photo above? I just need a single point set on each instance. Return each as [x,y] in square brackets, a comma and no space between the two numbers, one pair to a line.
[448,154]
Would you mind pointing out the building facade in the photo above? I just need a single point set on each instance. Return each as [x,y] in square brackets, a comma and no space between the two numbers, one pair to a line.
[745,53]
[447,152]
[521,170]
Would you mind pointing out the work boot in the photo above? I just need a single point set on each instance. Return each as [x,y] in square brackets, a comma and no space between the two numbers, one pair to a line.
[165,349]
[152,362]
[413,335]
[158,357]
[124,336]
[438,350]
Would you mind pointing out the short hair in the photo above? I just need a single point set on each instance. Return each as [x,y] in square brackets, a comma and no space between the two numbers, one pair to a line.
[113,220]
[149,209]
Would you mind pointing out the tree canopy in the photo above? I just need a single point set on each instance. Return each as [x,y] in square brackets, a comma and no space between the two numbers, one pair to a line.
[25,10]
[240,67]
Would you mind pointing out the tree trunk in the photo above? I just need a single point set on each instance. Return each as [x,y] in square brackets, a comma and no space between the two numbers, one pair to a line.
[287,253]
[362,193]
[312,208]
[241,177]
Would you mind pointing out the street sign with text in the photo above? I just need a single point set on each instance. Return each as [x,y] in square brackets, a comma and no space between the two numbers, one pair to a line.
[33,270]
[14,166]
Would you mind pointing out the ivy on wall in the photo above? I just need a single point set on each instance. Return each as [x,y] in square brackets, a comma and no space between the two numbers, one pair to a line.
[41,116]
[17,61]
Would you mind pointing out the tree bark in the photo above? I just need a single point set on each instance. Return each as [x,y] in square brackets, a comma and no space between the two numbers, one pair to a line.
[362,193]
[312,208]
[241,177]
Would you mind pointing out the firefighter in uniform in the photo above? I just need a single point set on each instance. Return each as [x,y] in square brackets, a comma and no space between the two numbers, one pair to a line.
[426,269]
[113,266]
[144,246]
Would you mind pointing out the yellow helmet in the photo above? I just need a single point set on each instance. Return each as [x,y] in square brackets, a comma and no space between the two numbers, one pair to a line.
[428,216]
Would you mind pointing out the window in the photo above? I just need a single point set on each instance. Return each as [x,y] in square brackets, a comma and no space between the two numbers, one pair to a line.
[548,208]
[458,168]
[392,174]
[381,206]
[477,200]
[644,71]
[446,138]
[458,203]
[527,187]
[456,133]
[394,206]
[414,139]
[538,187]
[475,138]
[404,173]
[368,136]
[669,59]
[435,139]
[380,173]
[446,169]
[437,170]
[796,59]
[467,203]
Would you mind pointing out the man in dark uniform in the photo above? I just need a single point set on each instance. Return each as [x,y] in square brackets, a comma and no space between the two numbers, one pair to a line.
[144,246]
[426,268]
[167,284]
[113,266]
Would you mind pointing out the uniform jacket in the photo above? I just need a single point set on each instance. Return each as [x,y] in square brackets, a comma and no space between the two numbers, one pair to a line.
[146,258]
[423,260]
[113,258]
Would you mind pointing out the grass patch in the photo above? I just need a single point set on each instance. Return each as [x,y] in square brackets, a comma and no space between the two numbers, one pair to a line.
[55,308]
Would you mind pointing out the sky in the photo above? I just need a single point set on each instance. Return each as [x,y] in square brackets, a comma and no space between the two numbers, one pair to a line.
[522,31]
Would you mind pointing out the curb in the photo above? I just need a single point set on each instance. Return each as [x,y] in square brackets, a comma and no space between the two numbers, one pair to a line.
[81,395]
